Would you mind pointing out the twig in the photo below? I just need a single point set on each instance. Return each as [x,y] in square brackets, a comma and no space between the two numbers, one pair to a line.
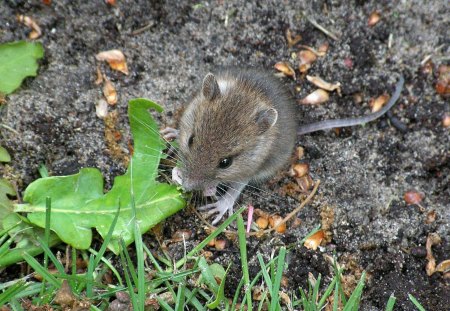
[321,28]
[294,212]
[9,128]
[285,219]
[142,29]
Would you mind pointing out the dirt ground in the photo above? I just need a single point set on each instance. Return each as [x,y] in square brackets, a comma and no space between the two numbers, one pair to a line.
[364,171]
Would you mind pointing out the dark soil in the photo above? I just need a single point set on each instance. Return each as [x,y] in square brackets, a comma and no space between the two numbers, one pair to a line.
[364,170]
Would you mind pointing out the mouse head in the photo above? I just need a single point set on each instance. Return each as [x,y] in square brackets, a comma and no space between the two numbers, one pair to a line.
[226,133]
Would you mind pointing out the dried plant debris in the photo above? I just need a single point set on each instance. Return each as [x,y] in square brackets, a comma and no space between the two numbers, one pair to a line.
[285,68]
[374,18]
[413,197]
[319,82]
[36,31]
[276,221]
[306,58]
[109,91]
[327,220]
[115,59]
[112,137]
[314,240]
[443,81]
[101,108]
[446,120]
[291,39]
[432,239]
[317,97]
[378,103]
[99,79]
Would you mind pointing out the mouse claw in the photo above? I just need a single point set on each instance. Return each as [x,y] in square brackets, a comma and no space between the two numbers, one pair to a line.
[169,133]
[220,207]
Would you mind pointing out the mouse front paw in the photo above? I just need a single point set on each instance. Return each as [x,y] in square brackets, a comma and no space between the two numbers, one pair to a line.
[169,133]
[220,207]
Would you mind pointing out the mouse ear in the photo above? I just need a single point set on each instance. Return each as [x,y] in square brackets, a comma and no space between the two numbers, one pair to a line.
[266,119]
[210,87]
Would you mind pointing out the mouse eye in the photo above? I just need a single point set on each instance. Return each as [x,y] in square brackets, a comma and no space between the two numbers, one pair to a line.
[225,162]
[190,141]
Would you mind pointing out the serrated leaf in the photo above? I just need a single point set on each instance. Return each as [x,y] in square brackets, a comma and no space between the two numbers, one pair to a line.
[78,202]
[18,61]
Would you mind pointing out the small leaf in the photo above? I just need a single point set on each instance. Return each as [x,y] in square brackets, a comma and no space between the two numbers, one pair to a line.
[18,61]
[220,295]
[4,155]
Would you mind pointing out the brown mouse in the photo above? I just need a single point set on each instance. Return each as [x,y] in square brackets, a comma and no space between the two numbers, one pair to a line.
[242,128]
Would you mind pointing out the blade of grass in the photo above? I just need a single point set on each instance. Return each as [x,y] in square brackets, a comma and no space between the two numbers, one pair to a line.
[391,302]
[139,249]
[110,266]
[38,268]
[264,273]
[244,263]
[192,299]
[126,270]
[416,303]
[236,294]
[43,171]
[326,294]
[305,300]
[102,250]
[220,293]
[4,248]
[336,293]
[74,270]
[164,304]
[262,301]
[274,299]
[353,302]
[315,294]
[90,277]
[207,275]
[50,255]
[129,263]
[179,304]
[9,293]
[16,305]
[48,210]
[214,234]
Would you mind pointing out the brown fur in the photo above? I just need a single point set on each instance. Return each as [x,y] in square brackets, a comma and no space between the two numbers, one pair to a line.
[230,124]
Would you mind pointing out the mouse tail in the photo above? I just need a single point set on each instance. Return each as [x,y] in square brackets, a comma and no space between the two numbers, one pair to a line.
[330,124]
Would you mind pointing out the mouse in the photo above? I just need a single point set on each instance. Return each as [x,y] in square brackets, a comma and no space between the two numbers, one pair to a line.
[241,127]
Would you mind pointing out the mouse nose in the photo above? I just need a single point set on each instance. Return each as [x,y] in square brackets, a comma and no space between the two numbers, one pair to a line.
[190,184]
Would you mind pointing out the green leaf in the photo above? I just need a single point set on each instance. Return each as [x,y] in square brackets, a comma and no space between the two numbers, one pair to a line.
[13,290]
[220,295]
[416,303]
[78,201]
[25,236]
[18,61]
[4,155]
[6,206]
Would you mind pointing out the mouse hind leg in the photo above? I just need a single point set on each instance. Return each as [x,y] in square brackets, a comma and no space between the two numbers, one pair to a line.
[225,203]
